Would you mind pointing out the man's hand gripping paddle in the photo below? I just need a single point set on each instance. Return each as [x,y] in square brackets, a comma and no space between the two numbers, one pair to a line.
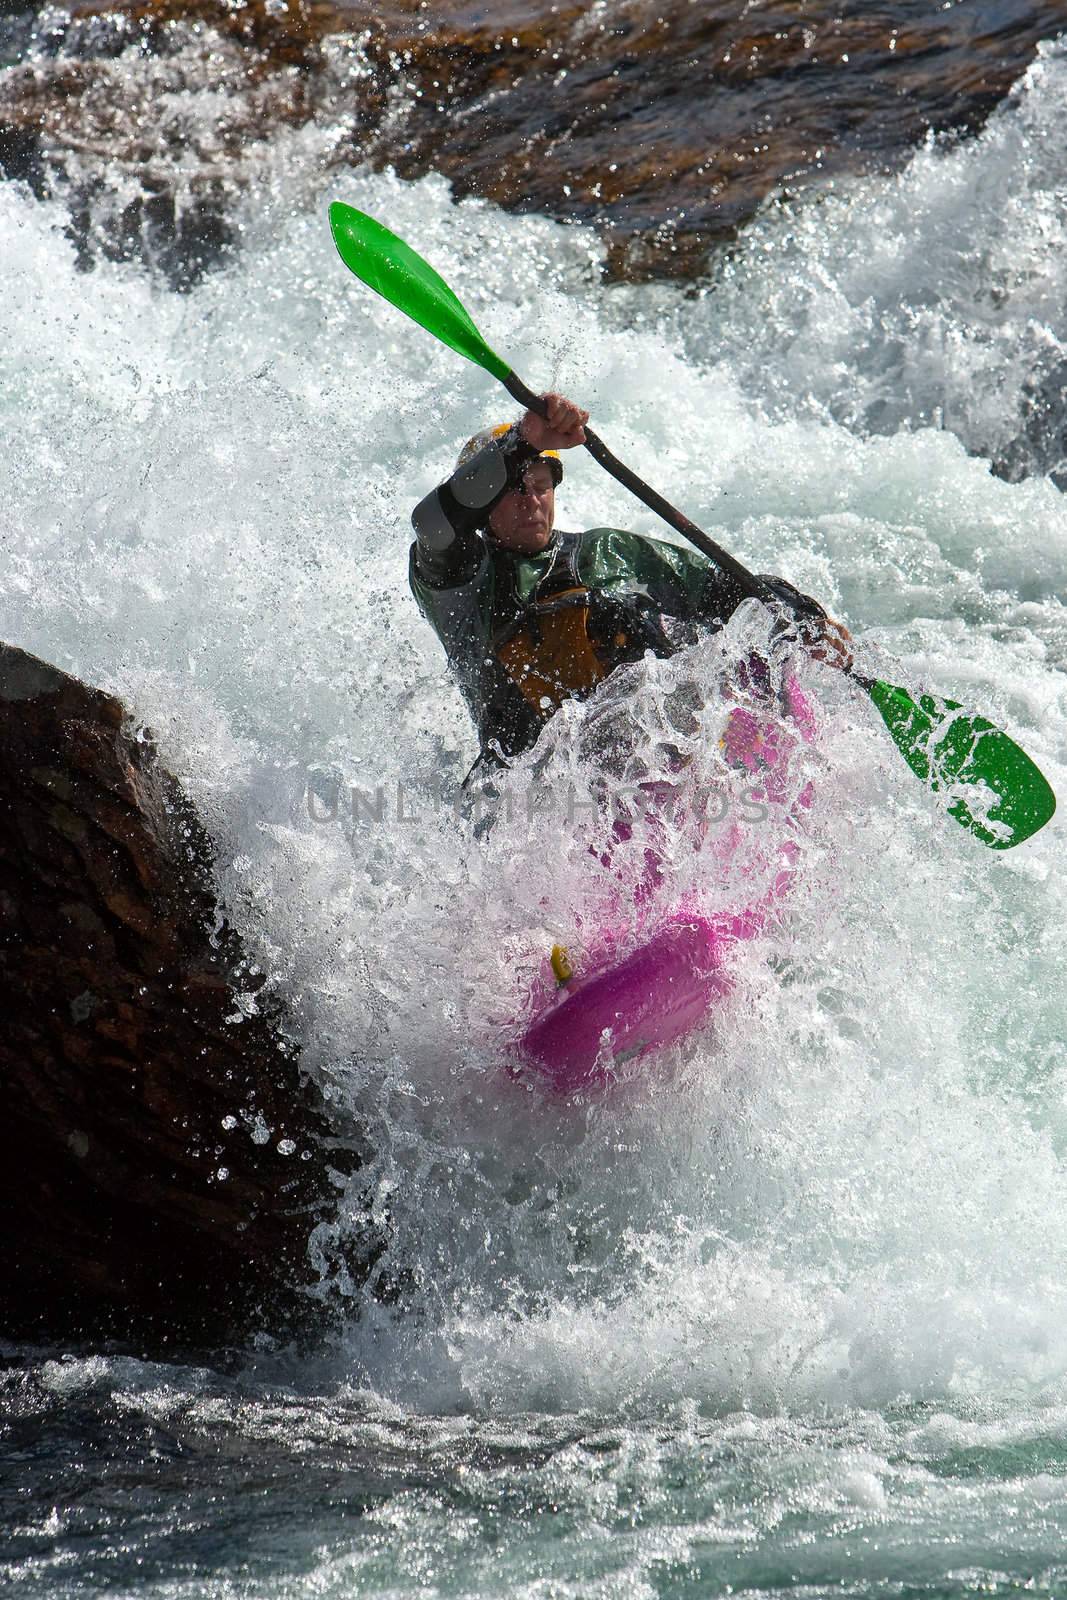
[997,792]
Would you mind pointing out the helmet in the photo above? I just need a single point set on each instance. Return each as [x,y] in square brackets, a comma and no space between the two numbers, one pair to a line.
[479,441]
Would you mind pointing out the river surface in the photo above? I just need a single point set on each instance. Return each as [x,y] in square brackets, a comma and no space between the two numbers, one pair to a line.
[784,1312]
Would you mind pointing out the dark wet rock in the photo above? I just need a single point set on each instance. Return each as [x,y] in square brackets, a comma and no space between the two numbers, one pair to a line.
[1040,446]
[664,124]
[162,1163]
[147,122]
[667,125]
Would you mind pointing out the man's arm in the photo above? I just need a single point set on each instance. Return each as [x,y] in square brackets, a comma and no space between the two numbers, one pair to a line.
[692,587]
[448,550]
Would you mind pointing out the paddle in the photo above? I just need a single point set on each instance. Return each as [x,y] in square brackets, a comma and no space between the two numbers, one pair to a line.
[996,791]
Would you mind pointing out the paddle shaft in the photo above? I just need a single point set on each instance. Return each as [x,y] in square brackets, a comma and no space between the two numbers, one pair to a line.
[637,486]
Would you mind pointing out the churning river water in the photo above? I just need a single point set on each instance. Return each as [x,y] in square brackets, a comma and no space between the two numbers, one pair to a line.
[785,1311]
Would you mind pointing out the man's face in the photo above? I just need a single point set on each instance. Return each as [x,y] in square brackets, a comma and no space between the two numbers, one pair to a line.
[522,520]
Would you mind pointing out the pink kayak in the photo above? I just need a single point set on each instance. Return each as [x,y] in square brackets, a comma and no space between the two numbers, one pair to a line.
[627,1006]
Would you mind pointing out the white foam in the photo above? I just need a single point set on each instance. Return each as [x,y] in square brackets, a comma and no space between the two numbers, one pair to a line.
[850,1188]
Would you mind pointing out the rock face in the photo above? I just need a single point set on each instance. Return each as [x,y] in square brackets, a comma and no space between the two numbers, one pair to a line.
[660,122]
[666,124]
[161,1163]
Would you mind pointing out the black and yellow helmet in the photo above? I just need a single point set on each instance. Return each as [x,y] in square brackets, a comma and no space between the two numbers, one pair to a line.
[479,441]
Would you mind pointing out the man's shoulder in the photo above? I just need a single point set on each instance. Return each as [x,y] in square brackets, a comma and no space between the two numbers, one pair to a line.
[646,540]
[613,538]
[624,545]
[605,533]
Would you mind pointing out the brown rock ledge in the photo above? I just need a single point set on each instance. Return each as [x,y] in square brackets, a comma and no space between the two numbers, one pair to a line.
[662,123]
[161,1162]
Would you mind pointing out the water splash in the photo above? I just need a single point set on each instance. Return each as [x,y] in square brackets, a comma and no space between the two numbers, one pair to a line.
[931,300]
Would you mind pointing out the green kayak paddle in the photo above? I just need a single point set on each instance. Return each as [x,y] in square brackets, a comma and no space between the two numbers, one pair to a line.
[996,791]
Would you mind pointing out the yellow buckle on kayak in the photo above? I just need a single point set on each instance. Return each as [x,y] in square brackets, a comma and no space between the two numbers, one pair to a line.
[561,964]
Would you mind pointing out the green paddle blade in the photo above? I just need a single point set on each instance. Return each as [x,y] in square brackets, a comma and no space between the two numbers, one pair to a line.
[393,269]
[997,792]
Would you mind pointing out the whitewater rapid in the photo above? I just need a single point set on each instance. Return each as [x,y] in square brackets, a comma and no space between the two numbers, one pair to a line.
[851,1188]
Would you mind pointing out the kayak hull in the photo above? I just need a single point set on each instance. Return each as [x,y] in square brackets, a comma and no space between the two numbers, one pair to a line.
[657,994]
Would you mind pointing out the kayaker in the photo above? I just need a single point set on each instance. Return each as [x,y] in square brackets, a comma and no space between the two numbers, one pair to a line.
[530,616]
